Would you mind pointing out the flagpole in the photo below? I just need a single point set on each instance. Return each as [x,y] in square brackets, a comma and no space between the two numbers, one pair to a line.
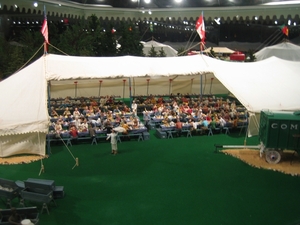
[45,48]
[44,31]
[200,28]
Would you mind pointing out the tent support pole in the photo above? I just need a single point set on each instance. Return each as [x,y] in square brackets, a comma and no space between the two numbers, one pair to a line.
[130,95]
[201,91]
[148,86]
[49,97]
[75,88]
[100,83]
[124,88]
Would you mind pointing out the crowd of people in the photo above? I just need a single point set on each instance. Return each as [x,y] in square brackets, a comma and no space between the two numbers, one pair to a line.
[105,113]
[208,111]
[102,115]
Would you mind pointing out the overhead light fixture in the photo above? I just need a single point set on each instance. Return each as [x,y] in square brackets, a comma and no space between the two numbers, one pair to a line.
[282,3]
[35,4]
[147,1]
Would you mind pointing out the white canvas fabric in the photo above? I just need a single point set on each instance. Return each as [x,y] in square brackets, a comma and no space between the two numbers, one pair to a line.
[284,50]
[169,51]
[269,84]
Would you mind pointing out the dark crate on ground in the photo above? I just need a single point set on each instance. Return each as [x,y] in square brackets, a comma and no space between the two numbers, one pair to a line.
[40,191]
[58,191]
[160,134]
[146,135]
[8,190]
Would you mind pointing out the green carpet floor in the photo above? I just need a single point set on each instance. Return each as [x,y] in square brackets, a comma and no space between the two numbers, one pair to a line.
[163,182]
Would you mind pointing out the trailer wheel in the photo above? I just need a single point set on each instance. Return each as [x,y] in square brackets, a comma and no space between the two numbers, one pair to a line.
[273,156]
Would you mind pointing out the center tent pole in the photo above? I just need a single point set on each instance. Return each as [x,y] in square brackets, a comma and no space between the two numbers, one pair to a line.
[130,95]
[201,91]
[124,88]
[49,96]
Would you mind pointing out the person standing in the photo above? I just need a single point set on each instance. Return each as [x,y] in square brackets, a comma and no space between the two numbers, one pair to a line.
[113,140]
[134,108]
[178,127]
[146,119]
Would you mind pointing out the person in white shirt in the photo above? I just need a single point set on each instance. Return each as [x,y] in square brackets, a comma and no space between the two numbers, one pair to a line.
[76,113]
[134,108]
[222,121]
[58,129]
[113,140]
[84,126]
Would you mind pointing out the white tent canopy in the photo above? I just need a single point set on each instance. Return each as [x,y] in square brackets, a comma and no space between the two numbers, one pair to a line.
[268,84]
[284,50]
[169,51]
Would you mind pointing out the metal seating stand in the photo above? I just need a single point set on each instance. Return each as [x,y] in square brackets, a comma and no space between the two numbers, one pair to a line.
[226,130]
[188,132]
[140,137]
[169,134]
[119,139]
[94,141]
[45,206]
[69,142]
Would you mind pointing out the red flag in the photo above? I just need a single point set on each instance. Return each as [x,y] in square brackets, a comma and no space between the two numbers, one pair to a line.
[200,27]
[44,29]
[285,30]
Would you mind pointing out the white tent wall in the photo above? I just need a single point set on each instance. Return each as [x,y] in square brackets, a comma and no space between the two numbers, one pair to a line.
[284,50]
[269,84]
[28,143]
[157,86]
[169,51]
[24,115]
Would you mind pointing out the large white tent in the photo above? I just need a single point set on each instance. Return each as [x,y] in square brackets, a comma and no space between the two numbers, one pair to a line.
[269,84]
[169,51]
[284,50]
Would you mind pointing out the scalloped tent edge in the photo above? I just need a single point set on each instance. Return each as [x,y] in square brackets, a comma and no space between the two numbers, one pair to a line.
[24,120]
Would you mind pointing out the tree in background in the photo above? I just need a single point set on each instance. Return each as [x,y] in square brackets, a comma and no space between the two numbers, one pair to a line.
[77,40]
[3,57]
[129,40]
[250,57]
[182,52]
[104,43]
[212,53]
[162,53]
[31,41]
[152,52]
[16,60]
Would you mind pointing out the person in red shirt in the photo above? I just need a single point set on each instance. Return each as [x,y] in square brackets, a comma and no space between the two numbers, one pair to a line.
[178,127]
[73,132]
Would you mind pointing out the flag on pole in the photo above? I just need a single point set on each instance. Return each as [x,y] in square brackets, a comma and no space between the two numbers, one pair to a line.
[44,29]
[200,27]
[285,30]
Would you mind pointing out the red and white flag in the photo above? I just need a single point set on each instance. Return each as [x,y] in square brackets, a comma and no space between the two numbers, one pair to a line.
[44,29]
[200,27]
